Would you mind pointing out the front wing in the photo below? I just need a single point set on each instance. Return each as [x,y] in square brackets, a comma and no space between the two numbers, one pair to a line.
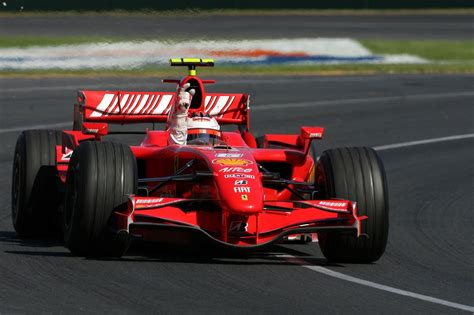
[147,216]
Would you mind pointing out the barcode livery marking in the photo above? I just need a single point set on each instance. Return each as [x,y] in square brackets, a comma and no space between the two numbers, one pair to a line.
[102,105]
[154,104]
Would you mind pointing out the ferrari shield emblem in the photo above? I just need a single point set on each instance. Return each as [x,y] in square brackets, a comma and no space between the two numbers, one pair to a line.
[232,162]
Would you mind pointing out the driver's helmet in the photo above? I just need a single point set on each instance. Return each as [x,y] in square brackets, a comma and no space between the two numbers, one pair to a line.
[203,129]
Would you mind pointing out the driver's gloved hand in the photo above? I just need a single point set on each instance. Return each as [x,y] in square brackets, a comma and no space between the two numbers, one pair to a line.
[183,99]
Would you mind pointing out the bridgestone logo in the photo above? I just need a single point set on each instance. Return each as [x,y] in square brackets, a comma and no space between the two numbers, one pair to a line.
[91,130]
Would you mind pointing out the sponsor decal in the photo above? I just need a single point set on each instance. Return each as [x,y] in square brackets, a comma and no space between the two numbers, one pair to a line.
[244,197]
[238,226]
[232,162]
[88,130]
[242,189]
[148,201]
[235,170]
[229,155]
[332,204]
[238,175]
[315,135]
[67,155]
[240,182]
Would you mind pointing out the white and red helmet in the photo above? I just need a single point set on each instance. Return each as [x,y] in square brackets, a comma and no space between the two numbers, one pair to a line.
[203,128]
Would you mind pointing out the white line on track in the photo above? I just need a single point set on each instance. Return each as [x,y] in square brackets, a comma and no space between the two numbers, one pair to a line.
[365,100]
[73,87]
[45,126]
[154,83]
[296,105]
[377,286]
[420,142]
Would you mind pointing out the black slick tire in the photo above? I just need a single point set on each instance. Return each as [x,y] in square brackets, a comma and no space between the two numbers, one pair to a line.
[355,174]
[101,176]
[35,184]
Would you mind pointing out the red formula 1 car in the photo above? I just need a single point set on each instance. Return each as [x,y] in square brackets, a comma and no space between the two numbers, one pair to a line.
[240,193]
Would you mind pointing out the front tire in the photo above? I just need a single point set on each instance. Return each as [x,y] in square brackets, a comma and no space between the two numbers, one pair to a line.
[100,178]
[35,183]
[355,174]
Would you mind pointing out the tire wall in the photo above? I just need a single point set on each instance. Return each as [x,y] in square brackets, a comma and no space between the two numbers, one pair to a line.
[105,5]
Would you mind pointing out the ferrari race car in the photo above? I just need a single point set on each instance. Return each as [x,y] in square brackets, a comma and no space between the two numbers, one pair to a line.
[241,192]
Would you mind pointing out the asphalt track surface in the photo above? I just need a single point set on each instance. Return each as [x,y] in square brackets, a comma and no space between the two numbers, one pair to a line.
[439,26]
[431,187]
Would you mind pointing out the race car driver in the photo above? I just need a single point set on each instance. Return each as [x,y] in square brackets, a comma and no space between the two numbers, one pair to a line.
[200,128]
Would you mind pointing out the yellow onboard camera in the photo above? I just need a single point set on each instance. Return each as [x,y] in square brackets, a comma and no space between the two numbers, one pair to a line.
[192,63]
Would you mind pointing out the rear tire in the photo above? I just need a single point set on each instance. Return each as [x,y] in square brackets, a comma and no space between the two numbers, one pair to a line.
[100,178]
[355,174]
[35,183]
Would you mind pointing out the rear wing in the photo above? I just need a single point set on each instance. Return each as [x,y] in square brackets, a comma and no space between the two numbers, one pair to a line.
[133,107]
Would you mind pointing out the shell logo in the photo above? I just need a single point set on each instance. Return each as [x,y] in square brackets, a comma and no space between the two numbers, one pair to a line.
[232,162]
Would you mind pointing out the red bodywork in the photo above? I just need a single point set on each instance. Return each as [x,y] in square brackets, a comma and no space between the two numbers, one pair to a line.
[234,194]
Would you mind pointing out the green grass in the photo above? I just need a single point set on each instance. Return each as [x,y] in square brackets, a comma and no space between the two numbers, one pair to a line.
[28,41]
[436,50]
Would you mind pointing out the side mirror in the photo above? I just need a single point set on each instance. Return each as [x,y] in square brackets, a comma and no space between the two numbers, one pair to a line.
[97,129]
[311,133]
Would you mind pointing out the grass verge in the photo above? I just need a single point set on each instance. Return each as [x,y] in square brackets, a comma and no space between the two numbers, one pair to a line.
[435,50]
[29,41]
[453,68]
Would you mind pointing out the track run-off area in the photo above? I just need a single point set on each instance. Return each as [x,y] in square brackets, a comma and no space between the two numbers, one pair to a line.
[421,125]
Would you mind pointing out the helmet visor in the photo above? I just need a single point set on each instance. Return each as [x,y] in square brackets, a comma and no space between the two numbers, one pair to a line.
[202,139]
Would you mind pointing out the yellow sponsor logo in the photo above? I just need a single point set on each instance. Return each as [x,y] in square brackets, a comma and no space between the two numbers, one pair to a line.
[232,162]
[244,197]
